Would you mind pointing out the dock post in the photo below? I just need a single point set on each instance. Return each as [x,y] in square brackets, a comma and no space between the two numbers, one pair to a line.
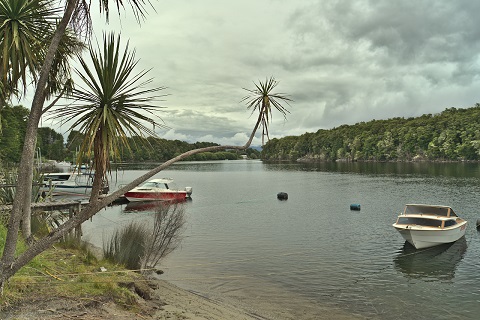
[78,230]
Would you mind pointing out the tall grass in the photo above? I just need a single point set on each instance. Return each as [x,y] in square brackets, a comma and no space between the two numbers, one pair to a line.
[127,246]
[143,245]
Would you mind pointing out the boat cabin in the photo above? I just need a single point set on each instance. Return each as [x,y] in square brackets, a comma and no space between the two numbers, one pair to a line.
[153,184]
[428,216]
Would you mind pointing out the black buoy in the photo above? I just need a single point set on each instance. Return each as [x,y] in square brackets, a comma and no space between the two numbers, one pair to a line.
[282,196]
[355,207]
[478,224]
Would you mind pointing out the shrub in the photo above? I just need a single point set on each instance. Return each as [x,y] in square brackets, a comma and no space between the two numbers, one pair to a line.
[143,245]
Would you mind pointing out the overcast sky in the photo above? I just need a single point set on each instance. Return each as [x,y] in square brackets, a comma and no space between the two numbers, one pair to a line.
[341,62]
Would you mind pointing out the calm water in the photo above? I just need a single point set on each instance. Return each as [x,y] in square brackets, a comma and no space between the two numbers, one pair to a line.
[310,257]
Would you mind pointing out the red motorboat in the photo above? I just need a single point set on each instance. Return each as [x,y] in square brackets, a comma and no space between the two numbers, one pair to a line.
[157,189]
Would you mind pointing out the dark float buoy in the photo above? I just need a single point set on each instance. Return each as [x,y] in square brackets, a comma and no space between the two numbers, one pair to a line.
[478,224]
[282,196]
[355,207]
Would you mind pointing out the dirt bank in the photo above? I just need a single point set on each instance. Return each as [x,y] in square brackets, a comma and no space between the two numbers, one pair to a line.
[164,301]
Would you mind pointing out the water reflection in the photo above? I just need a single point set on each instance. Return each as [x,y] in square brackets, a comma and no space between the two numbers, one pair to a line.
[147,206]
[436,263]
[463,169]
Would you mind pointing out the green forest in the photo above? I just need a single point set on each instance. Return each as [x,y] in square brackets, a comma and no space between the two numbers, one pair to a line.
[51,144]
[452,135]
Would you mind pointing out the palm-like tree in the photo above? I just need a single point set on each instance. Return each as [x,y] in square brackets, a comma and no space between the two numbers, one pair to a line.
[75,13]
[24,24]
[26,28]
[261,99]
[110,105]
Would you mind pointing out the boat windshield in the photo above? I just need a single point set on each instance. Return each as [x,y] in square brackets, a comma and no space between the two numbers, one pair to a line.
[151,184]
[420,221]
[437,211]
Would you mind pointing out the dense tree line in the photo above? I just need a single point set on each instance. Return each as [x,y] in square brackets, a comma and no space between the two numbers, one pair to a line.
[154,149]
[51,144]
[12,131]
[452,135]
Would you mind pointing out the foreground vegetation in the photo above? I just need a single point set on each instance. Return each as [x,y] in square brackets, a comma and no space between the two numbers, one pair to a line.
[452,135]
[69,270]
[72,268]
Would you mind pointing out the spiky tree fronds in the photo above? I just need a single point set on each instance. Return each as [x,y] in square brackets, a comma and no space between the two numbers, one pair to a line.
[262,98]
[81,19]
[24,26]
[111,104]
[26,29]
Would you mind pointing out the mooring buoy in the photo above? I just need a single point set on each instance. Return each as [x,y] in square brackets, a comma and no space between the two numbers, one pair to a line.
[282,196]
[355,207]
[478,224]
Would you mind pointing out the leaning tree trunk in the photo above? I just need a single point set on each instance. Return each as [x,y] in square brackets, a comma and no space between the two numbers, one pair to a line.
[27,215]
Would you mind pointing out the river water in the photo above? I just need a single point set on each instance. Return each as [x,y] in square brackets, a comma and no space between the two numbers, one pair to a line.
[311,257]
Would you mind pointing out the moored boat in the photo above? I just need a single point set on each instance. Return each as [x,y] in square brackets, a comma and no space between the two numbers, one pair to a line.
[65,183]
[62,164]
[157,189]
[426,226]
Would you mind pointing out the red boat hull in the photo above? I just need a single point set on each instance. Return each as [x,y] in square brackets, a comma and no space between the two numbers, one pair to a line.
[146,196]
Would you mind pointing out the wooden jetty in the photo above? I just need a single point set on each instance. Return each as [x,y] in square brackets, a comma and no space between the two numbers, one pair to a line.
[66,204]
[51,205]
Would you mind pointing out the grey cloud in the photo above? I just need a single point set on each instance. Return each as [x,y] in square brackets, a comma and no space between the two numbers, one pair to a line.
[341,61]
[413,31]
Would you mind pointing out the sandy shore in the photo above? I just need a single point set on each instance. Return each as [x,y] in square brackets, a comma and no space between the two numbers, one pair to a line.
[182,304]
[165,301]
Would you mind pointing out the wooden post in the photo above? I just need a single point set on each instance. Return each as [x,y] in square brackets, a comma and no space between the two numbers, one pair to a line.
[71,213]
[78,230]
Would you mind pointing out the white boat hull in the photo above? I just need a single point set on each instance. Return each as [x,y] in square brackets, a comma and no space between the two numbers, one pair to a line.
[67,183]
[422,238]
[67,189]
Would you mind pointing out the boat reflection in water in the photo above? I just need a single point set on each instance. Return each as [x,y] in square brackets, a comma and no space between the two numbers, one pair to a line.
[435,263]
[149,206]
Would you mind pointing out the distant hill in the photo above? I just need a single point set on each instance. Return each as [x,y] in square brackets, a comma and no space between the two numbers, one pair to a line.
[452,135]
[258,148]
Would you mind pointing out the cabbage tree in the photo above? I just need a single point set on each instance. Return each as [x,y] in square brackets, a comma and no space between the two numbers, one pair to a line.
[75,13]
[262,99]
[111,103]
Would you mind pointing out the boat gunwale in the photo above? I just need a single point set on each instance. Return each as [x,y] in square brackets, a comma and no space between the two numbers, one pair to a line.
[427,205]
[429,228]
[429,216]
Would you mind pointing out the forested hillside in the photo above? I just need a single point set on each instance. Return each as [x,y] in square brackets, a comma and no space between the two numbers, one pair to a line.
[451,135]
[51,144]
